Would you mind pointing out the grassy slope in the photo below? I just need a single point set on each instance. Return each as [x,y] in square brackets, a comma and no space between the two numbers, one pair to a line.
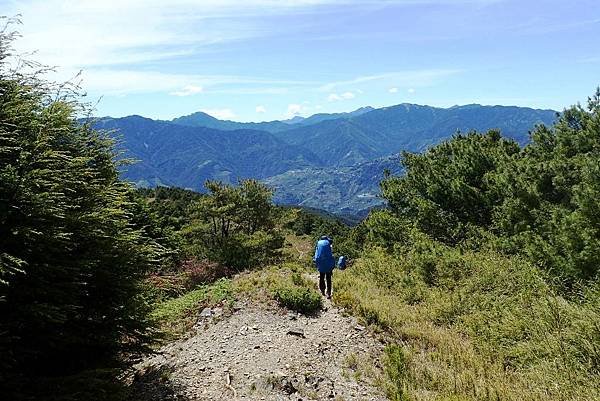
[461,326]
[283,283]
[472,326]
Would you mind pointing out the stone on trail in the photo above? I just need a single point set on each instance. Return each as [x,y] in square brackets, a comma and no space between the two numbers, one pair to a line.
[206,312]
[296,332]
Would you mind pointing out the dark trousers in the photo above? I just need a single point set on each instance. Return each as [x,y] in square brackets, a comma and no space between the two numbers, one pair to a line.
[322,278]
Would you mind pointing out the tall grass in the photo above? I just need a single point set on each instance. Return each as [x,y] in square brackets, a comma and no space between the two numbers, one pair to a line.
[475,326]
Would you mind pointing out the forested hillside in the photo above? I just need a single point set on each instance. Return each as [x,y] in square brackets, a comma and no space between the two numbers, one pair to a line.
[309,154]
[352,190]
[175,155]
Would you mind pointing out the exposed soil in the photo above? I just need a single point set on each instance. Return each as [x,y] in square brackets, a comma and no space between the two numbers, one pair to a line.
[261,352]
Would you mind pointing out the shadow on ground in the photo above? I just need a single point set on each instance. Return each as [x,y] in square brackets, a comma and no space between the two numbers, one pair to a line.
[154,384]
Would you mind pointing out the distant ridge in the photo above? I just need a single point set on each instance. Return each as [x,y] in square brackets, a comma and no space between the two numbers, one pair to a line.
[327,161]
[201,119]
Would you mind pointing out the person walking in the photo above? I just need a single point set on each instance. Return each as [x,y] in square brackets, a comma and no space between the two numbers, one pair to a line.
[325,263]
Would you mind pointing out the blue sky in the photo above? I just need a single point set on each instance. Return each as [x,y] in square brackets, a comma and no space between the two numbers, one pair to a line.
[255,60]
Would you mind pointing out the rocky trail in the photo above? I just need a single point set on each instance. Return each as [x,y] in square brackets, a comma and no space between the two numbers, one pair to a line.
[260,352]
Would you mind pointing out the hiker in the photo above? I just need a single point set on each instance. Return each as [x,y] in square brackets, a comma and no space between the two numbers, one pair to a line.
[325,263]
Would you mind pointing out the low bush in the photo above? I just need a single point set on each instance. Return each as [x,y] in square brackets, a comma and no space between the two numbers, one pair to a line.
[287,284]
[299,299]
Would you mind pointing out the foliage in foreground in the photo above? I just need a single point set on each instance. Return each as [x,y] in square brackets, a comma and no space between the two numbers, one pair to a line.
[299,296]
[72,252]
[475,325]
[484,268]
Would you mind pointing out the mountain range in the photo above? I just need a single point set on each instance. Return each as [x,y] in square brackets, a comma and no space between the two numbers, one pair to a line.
[328,161]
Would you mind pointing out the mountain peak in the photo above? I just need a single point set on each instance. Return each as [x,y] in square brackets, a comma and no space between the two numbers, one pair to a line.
[294,120]
[362,110]
[198,117]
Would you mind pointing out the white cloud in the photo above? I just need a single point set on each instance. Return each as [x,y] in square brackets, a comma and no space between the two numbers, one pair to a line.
[110,38]
[261,109]
[295,109]
[411,90]
[334,97]
[393,90]
[187,90]
[221,114]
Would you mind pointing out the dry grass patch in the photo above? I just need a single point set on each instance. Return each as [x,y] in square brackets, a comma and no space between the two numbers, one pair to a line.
[475,327]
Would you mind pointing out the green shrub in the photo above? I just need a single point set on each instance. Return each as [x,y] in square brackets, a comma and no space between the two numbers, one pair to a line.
[538,201]
[299,299]
[396,367]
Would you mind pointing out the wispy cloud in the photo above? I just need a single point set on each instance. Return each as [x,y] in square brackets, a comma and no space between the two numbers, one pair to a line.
[120,44]
[85,33]
[109,81]
[409,77]
[333,97]
[393,90]
[188,91]
[589,60]
[261,109]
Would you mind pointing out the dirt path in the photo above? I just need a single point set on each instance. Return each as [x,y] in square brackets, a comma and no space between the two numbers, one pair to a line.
[263,353]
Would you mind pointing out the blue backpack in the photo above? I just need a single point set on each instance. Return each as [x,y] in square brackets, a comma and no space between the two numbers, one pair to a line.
[341,263]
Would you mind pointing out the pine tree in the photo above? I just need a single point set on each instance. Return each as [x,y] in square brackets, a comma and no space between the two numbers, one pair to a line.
[71,255]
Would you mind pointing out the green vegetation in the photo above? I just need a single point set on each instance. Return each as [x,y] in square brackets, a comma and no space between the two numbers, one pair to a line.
[176,315]
[345,190]
[483,271]
[539,201]
[90,267]
[285,283]
[300,296]
[234,226]
[73,251]
[475,325]
[170,205]
[333,164]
